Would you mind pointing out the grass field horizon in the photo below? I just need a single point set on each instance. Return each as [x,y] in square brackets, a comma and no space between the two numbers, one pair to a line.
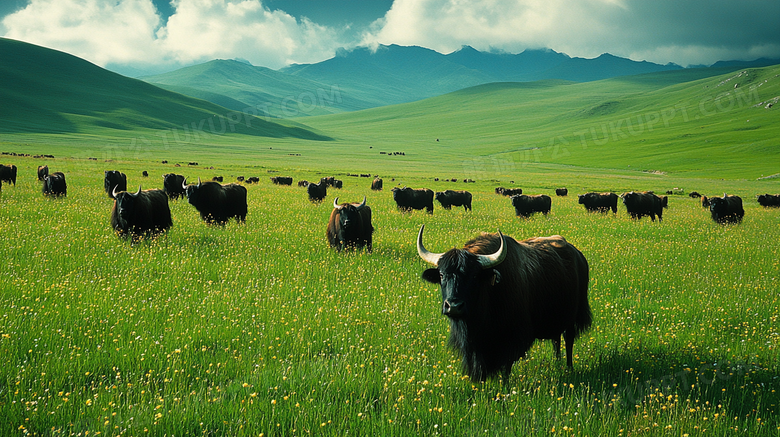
[262,329]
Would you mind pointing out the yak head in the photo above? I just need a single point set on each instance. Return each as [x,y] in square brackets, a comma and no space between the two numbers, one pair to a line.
[192,191]
[124,203]
[348,217]
[461,274]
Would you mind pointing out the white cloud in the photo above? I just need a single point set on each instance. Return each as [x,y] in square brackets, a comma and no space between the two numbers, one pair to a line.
[131,32]
[659,30]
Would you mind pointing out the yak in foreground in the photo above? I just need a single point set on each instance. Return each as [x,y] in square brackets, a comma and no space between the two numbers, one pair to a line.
[140,213]
[114,180]
[727,209]
[350,226]
[501,295]
[55,185]
[218,203]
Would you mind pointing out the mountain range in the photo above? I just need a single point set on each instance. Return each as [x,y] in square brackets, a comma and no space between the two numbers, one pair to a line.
[365,78]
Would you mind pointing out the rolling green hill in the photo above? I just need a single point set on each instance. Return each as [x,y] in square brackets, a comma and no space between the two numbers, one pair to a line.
[237,85]
[47,91]
[717,125]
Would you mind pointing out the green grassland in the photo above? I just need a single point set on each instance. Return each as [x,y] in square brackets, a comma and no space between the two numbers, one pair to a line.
[262,329]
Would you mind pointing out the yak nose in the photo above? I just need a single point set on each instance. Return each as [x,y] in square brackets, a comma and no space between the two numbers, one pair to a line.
[452,308]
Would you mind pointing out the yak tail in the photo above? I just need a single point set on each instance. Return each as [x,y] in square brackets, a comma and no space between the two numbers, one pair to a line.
[584,317]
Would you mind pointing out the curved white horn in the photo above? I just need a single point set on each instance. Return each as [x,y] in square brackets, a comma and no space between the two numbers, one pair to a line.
[137,192]
[336,203]
[113,192]
[429,257]
[184,184]
[362,205]
[492,260]
[199,182]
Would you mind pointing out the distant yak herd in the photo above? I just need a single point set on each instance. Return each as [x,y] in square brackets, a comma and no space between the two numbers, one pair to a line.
[499,294]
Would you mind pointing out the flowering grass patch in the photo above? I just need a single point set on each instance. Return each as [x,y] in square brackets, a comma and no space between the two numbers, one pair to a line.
[262,329]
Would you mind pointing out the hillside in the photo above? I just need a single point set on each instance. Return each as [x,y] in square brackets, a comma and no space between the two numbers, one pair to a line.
[714,125]
[47,91]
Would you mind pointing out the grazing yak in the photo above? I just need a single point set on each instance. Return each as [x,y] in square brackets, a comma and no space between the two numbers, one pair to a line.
[217,203]
[448,198]
[350,226]
[727,209]
[55,185]
[562,192]
[501,295]
[376,184]
[317,192]
[694,195]
[8,173]
[768,200]
[173,185]
[526,205]
[600,202]
[43,171]
[140,213]
[509,192]
[218,179]
[407,199]
[145,174]
[281,180]
[643,203]
[303,183]
[114,180]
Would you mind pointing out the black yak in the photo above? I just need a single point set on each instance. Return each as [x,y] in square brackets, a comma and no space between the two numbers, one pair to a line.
[509,192]
[350,226]
[55,185]
[376,184]
[562,192]
[114,180]
[768,200]
[526,205]
[600,202]
[43,171]
[172,185]
[448,198]
[8,173]
[407,199]
[140,213]
[317,192]
[643,203]
[281,180]
[727,209]
[500,295]
[217,203]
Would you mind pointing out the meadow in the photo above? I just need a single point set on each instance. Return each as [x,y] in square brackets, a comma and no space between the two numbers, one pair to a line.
[262,329]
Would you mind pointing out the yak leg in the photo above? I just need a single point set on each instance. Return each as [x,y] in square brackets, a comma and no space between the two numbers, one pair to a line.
[568,336]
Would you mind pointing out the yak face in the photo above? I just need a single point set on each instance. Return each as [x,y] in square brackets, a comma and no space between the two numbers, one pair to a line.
[462,275]
[349,219]
[125,206]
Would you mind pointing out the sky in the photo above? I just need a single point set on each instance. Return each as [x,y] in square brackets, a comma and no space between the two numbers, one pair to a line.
[166,34]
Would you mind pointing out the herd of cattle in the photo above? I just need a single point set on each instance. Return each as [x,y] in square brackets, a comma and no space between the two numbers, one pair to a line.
[500,295]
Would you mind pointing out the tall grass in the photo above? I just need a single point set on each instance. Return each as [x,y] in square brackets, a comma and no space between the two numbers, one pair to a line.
[261,329]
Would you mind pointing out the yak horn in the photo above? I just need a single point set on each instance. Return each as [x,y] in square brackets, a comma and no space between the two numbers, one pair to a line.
[429,257]
[113,192]
[492,260]
[137,192]
[362,205]
[184,184]
[198,181]
[336,203]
